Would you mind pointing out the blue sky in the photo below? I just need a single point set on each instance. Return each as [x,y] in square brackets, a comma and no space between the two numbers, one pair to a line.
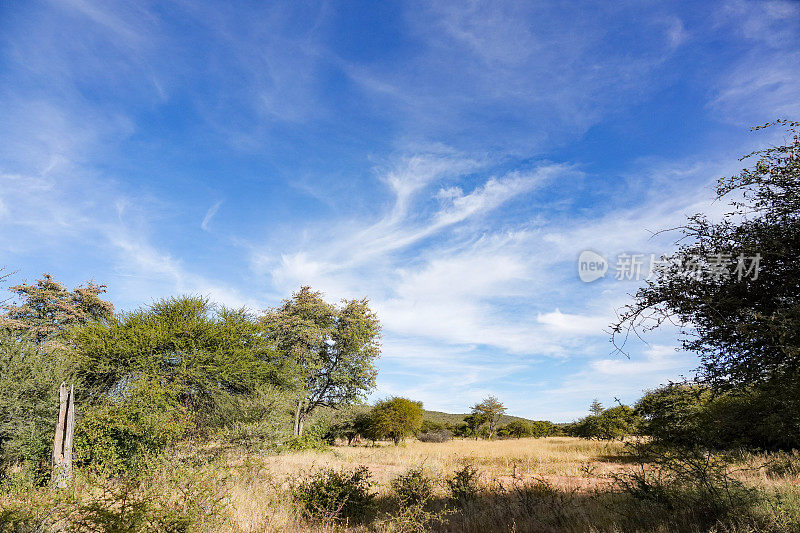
[447,160]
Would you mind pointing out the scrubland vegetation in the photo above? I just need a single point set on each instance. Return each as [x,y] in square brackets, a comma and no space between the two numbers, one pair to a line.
[194,417]
[550,484]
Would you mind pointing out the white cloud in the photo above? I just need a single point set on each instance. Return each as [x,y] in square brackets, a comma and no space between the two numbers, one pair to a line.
[577,324]
[676,32]
[209,215]
[663,360]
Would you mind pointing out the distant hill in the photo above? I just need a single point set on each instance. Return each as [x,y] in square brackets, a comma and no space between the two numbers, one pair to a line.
[455,419]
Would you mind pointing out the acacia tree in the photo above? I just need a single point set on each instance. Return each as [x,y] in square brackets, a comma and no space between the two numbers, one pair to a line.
[332,349]
[202,350]
[491,409]
[47,307]
[746,328]
[397,418]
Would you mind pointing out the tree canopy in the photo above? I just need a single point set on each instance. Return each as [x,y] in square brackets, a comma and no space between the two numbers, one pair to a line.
[186,341]
[613,423]
[47,307]
[397,418]
[331,348]
[733,286]
[489,410]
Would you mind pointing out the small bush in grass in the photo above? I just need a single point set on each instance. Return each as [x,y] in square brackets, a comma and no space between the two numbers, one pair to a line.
[29,507]
[439,435]
[464,484]
[412,519]
[314,438]
[691,484]
[414,491]
[543,506]
[413,487]
[331,495]
[168,495]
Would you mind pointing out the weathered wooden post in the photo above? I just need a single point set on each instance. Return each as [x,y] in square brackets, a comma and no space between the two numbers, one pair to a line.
[62,444]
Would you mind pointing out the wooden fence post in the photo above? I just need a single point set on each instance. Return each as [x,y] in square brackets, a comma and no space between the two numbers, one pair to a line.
[65,430]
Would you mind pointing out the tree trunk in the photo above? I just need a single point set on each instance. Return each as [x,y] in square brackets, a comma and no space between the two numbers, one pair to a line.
[297,423]
[62,443]
[69,433]
[300,415]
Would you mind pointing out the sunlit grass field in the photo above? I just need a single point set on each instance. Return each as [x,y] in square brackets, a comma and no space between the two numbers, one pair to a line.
[550,484]
[573,489]
[558,459]
[569,464]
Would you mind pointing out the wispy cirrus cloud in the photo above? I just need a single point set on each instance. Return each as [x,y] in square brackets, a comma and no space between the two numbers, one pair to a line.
[209,215]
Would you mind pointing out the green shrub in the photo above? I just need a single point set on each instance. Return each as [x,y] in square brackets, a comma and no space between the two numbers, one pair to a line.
[255,420]
[250,418]
[761,416]
[542,428]
[520,428]
[168,495]
[116,436]
[614,423]
[314,438]
[396,418]
[671,414]
[329,495]
[464,484]
[27,506]
[413,487]
[692,485]
[429,426]
[516,429]
[414,491]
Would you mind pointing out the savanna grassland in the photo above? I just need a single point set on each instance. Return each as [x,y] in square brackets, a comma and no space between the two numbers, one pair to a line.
[549,484]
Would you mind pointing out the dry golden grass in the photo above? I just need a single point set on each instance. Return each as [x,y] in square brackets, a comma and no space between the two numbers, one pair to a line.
[564,461]
[575,495]
[568,464]
[552,484]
